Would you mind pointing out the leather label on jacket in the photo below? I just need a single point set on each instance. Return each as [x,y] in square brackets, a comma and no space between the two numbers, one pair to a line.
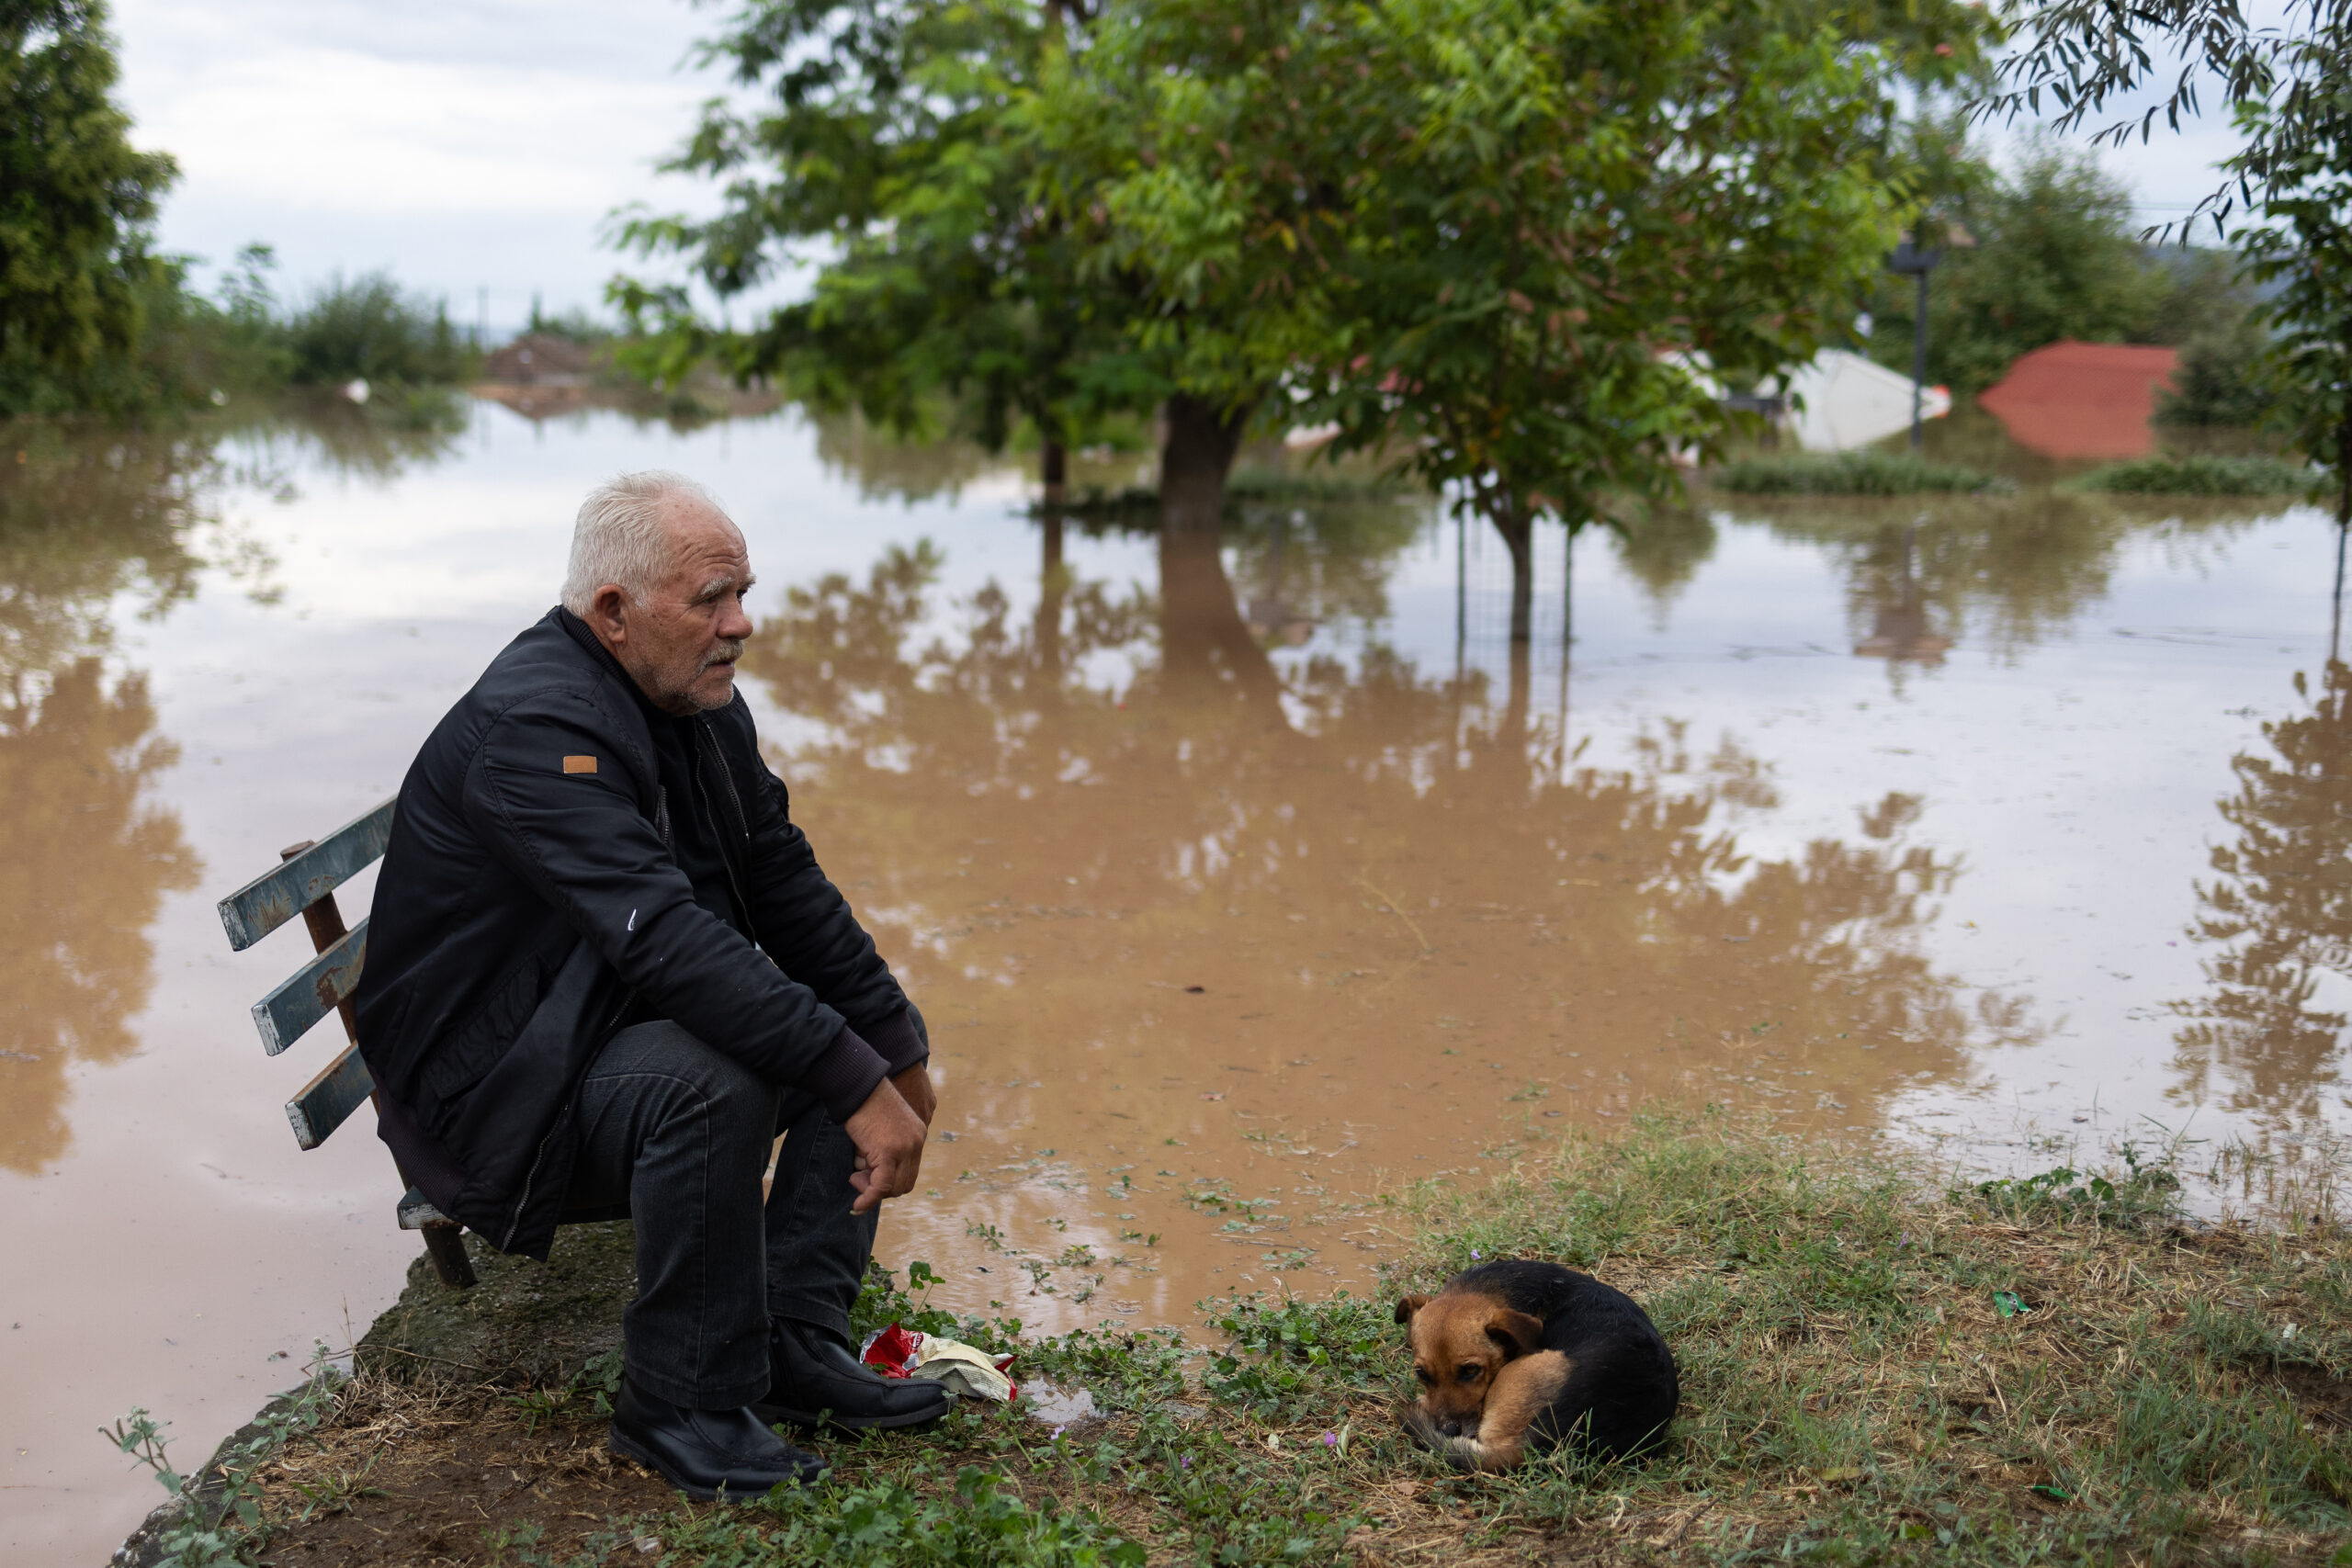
[580,764]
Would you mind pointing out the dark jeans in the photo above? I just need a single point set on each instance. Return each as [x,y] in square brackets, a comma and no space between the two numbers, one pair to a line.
[679,1133]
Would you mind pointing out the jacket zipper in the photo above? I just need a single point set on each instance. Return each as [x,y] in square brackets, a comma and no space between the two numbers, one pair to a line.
[742,905]
[528,1178]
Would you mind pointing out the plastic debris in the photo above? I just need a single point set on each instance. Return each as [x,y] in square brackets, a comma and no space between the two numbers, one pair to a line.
[900,1352]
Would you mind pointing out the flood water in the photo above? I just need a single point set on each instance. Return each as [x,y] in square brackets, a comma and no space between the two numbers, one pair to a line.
[1237,883]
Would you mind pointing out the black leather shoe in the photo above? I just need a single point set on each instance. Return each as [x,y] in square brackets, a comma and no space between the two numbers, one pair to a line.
[816,1381]
[704,1452]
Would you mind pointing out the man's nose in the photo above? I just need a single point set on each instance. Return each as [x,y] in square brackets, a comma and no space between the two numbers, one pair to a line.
[734,624]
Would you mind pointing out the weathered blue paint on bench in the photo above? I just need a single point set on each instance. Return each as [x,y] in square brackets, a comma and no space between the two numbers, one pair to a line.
[311,992]
[326,1100]
[417,1211]
[268,902]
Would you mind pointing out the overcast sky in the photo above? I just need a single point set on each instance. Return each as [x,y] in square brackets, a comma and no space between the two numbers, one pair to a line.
[482,144]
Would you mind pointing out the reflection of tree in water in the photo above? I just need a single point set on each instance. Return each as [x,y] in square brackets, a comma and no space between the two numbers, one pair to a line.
[2278,913]
[84,859]
[373,441]
[84,516]
[84,863]
[887,467]
[1662,550]
[1303,566]
[1920,570]
[1222,808]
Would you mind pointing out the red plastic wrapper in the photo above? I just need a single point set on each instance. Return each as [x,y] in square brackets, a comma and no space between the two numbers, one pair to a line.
[892,1351]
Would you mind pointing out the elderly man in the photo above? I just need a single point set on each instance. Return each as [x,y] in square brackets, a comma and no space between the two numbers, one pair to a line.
[604,971]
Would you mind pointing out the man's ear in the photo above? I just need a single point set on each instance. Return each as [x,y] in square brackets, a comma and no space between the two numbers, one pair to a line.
[1406,1307]
[1516,1332]
[607,611]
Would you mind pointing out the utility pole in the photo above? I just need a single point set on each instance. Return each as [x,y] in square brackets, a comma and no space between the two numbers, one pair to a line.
[1910,259]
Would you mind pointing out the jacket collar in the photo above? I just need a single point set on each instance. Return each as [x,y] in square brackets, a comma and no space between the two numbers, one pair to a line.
[577,630]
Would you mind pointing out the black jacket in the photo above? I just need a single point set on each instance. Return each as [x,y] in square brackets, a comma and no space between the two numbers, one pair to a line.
[529,898]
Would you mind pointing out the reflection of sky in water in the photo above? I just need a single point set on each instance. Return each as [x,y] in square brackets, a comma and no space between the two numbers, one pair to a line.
[2070,775]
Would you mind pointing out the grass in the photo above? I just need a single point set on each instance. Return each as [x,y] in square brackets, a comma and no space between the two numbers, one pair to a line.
[1850,473]
[1877,1368]
[2203,474]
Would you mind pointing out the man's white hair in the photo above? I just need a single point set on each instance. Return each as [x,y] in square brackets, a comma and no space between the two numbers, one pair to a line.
[619,536]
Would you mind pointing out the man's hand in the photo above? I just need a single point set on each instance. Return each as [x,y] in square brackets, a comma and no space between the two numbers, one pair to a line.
[888,1137]
[914,1084]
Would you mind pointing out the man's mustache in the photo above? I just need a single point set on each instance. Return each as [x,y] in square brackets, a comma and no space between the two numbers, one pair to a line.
[727,652]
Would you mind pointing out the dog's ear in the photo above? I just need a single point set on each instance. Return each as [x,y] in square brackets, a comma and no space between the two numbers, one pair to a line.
[1516,1332]
[1406,1307]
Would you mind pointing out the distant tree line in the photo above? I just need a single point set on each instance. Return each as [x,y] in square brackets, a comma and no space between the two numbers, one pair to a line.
[92,319]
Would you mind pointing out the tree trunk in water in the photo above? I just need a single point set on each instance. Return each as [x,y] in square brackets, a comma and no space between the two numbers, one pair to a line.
[2343,516]
[1053,586]
[1054,469]
[1201,626]
[1523,676]
[1195,458]
[1518,529]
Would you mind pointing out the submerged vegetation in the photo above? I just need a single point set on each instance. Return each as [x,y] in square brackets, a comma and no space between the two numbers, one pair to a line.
[2203,474]
[1862,472]
[1877,1366]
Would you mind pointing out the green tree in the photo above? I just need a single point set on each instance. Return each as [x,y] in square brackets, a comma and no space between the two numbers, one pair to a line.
[1571,226]
[1190,146]
[886,153]
[2287,67]
[2303,245]
[76,202]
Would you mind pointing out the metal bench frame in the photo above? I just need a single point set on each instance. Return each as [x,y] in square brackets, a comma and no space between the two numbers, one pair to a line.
[304,885]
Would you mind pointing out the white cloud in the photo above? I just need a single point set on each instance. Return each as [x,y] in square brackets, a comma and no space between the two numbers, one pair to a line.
[330,130]
[465,146]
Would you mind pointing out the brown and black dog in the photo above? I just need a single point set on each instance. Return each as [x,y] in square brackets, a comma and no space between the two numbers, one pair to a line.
[1517,1357]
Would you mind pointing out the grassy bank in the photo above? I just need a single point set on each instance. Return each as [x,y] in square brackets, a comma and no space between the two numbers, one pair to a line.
[1876,1368]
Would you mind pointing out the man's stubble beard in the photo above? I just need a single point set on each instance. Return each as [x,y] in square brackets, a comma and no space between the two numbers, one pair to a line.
[725,653]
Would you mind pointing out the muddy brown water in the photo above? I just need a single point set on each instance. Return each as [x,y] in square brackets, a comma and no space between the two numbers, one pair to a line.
[1239,882]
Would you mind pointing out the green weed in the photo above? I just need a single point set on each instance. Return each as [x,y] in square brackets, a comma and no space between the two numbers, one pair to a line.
[2203,474]
[1850,473]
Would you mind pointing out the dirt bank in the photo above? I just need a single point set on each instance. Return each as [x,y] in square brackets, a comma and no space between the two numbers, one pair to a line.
[1875,1369]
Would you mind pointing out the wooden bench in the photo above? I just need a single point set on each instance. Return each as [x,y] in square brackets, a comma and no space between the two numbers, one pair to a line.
[304,885]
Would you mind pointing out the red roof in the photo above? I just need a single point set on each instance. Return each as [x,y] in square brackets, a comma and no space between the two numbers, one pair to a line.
[2083,400]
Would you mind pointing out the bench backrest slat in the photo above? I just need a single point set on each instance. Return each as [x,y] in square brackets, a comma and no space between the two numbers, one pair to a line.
[342,1088]
[311,992]
[269,901]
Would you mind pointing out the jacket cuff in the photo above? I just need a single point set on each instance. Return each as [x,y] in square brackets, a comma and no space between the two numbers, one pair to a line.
[845,1074]
[899,1040]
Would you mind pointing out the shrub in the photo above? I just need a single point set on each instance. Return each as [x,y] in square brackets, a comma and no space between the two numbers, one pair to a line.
[1850,473]
[2202,475]
[2220,380]
[370,328]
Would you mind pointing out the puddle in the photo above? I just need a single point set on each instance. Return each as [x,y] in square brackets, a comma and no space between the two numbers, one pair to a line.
[1237,883]
[1057,1407]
